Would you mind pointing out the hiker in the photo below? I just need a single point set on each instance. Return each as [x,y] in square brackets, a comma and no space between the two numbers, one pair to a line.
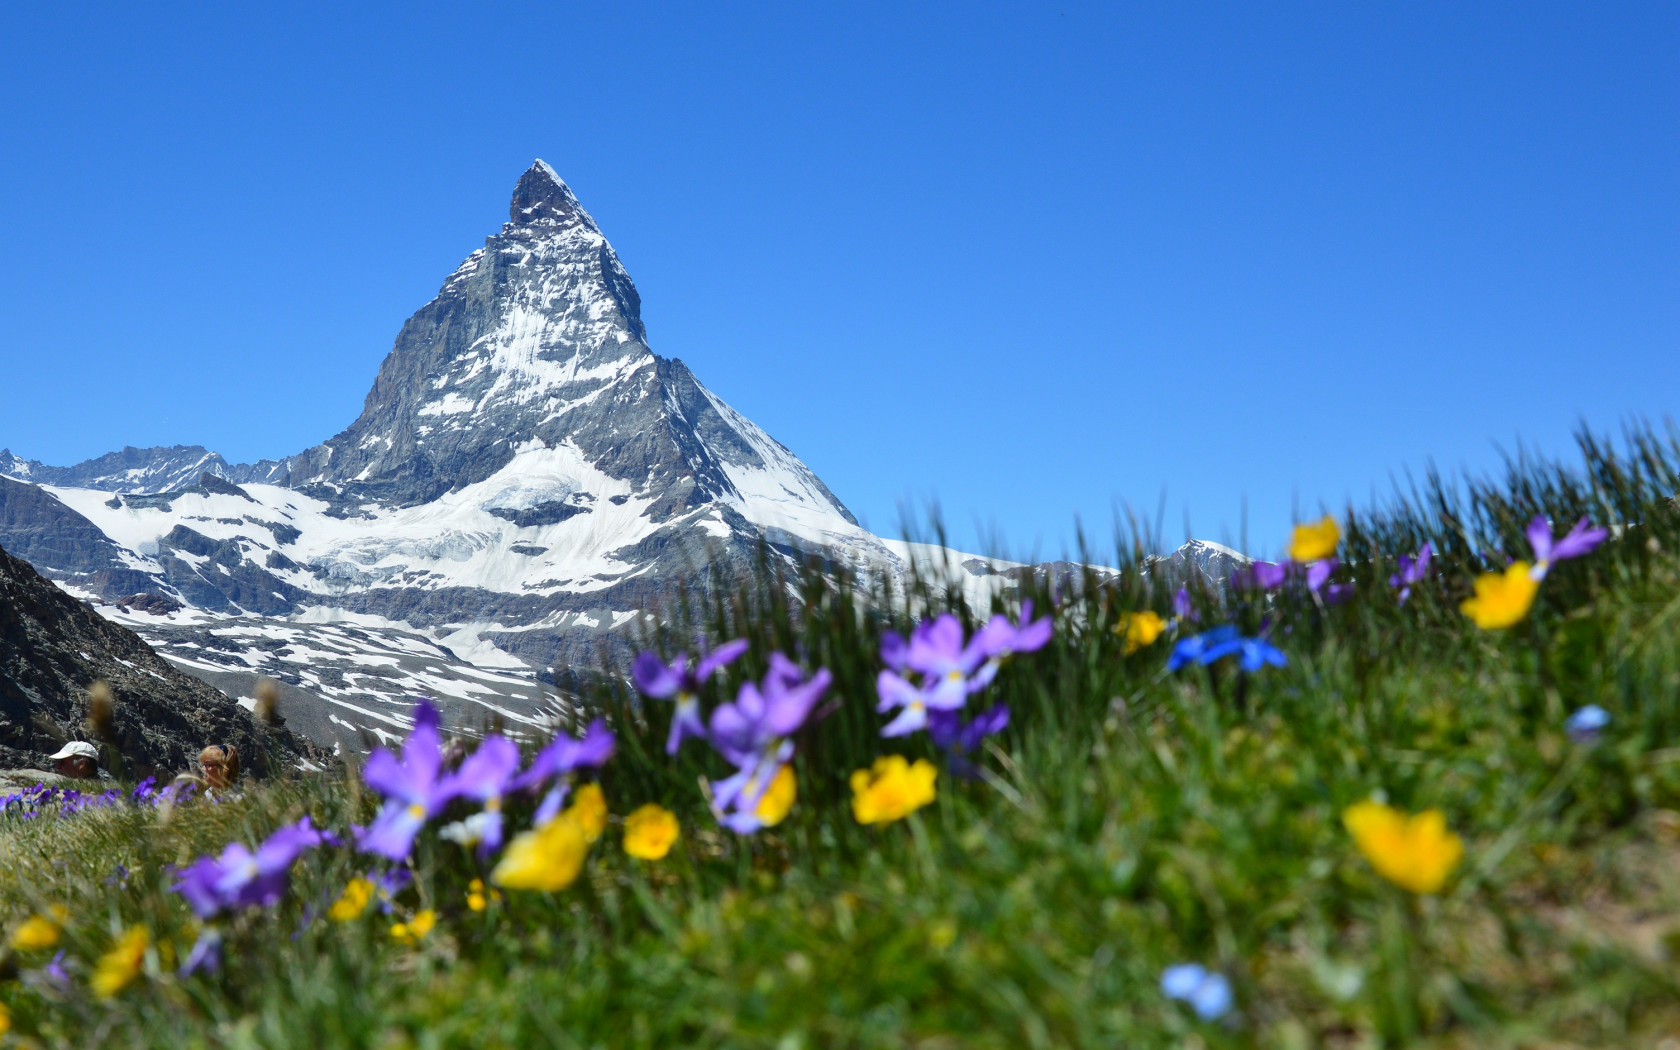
[220,763]
[78,760]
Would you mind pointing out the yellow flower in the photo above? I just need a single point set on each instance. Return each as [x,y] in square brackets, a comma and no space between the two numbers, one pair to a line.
[352,902]
[892,790]
[1502,599]
[119,967]
[1415,852]
[1140,629]
[545,858]
[589,811]
[411,931]
[778,798]
[477,898]
[649,832]
[39,931]
[5,1019]
[1314,541]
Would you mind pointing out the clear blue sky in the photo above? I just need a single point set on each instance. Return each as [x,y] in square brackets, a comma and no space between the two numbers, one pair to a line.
[1033,261]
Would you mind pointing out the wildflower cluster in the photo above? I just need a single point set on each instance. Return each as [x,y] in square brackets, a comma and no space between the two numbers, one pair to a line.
[927,680]
[930,676]
[1312,561]
[1503,599]
[526,822]
[1416,852]
[41,800]
[418,788]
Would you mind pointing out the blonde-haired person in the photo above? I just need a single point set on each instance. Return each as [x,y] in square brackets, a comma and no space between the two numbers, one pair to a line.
[220,765]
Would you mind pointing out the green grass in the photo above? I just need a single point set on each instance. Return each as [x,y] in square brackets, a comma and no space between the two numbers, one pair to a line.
[1131,820]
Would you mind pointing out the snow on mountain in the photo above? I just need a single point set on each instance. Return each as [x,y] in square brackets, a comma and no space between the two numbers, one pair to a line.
[525,479]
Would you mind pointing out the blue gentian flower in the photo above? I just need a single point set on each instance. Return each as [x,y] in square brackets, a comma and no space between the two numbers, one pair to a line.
[1207,992]
[1209,646]
[1586,723]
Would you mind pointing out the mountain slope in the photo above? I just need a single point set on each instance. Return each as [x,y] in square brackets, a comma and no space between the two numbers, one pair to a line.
[52,648]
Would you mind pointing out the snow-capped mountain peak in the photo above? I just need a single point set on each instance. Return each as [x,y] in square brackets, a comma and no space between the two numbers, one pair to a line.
[543,198]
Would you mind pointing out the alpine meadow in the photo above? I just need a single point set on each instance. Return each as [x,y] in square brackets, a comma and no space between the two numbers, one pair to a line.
[1417,785]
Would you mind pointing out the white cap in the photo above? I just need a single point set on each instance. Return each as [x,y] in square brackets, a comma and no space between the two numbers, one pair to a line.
[77,749]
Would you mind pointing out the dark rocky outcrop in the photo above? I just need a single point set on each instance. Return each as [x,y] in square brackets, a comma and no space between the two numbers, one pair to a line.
[53,648]
[221,577]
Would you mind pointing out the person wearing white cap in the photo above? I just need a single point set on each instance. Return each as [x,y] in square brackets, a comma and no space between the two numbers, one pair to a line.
[78,760]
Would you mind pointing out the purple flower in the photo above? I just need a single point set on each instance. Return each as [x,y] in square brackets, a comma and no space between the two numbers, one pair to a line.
[1413,571]
[959,740]
[752,733]
[895,691]
[389,884]
[1182,607]
[735,798]
[895,651]
[206,953]
[1000,639]
[1208,993]
[949,733]
[484,776]
[1318,573]
[937,652]
[240,878]
[563,756]
[1209,646]
[747,727]
[947,668]
[411,788]
[1261,575]
[52,974]
[663,681]
[1548,551]
[1318,582]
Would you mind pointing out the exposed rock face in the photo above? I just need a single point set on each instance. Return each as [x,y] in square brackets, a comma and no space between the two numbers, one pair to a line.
[1213,563]
[52,648]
